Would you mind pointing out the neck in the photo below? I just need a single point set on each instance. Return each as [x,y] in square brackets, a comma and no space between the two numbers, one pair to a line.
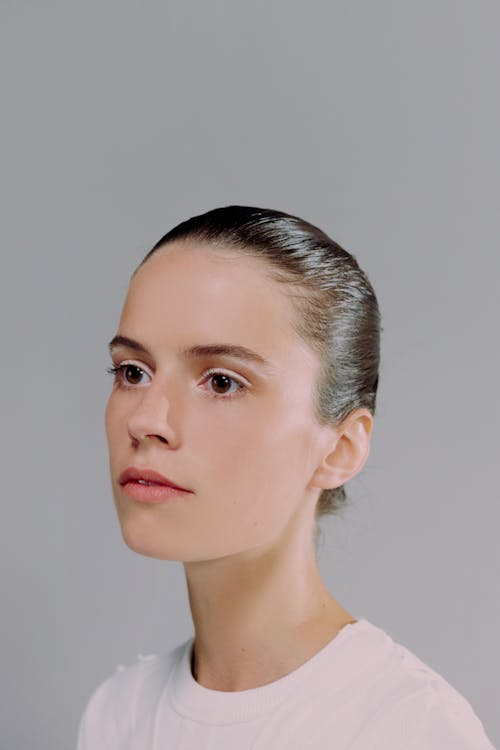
[258,616]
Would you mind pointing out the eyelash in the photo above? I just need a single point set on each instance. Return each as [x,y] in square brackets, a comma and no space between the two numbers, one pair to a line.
[119,369]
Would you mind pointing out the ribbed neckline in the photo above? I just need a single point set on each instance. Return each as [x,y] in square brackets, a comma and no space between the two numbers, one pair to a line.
[196,702]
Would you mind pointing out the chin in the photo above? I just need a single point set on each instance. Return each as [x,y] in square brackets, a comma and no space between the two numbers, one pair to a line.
[148,548]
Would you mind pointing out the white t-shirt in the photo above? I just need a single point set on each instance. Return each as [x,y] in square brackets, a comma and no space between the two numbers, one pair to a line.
[362,691]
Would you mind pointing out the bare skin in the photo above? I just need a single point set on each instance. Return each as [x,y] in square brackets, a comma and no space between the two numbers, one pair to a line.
[255,462]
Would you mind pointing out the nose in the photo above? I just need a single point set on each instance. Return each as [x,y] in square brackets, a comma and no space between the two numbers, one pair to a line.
[149,419]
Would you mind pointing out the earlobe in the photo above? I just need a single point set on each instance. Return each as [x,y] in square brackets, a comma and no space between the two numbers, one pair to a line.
[349,453]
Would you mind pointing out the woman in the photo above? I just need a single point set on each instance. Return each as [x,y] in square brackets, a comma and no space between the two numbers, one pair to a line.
[245,374]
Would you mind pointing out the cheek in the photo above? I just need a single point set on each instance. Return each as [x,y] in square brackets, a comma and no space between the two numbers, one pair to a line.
[114,421]
[259,458]
[109,414]
[216,440]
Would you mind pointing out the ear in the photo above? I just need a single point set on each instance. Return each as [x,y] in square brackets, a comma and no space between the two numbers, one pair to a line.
[348,447]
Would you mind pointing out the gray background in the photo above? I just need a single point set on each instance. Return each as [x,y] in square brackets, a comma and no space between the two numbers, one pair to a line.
[378,121]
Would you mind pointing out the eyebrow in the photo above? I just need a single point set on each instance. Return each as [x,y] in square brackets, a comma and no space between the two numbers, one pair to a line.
[198,350]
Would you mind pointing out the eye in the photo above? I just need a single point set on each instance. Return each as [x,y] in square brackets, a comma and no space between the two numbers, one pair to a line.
[127,376]
[222,379]
[125,370]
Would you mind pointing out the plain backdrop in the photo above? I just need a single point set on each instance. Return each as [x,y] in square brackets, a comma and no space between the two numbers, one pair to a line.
[379,122]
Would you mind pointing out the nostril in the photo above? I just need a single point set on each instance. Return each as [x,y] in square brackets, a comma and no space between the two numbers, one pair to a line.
[154,435]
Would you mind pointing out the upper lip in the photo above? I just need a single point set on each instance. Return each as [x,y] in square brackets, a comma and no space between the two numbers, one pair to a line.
[133,473]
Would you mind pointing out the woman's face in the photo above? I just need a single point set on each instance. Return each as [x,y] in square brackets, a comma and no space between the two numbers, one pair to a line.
[246,447]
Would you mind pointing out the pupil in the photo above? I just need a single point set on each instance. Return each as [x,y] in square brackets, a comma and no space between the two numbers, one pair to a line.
[131,367]
[220,376]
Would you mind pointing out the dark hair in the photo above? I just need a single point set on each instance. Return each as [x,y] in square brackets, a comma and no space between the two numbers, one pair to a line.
[338,314]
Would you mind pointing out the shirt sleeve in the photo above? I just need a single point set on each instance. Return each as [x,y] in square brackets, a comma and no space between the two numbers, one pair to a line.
[449,723]
[94,729]
[107,717]
[434,718]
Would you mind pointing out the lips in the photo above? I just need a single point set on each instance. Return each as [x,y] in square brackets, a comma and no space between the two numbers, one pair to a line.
[134,474]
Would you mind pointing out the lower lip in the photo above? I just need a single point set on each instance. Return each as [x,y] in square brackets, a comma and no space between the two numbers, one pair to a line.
[153,493]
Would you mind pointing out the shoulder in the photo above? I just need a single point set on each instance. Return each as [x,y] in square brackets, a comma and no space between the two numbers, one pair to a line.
[415,708]
[115,705]
[435,717]
[449,721]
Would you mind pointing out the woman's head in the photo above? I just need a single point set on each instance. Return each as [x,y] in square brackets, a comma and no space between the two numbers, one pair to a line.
[279,286]
[337,310]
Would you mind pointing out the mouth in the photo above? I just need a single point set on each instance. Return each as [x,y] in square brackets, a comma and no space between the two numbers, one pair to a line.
[148,478]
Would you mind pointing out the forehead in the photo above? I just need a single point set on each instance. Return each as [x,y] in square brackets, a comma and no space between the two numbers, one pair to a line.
[191,294]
